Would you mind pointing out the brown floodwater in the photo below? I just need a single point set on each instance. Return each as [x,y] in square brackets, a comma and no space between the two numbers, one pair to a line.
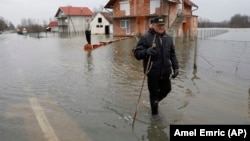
[52,89]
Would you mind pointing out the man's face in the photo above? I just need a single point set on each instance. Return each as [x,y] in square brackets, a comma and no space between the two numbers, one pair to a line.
[159,28]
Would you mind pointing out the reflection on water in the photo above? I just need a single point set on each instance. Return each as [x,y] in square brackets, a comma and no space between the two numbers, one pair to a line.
[156,133]
[98,90]
[89,61]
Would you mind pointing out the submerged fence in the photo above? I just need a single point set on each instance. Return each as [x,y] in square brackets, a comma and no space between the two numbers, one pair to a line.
[225,59]
[222,58]
[208,33]
[201,33]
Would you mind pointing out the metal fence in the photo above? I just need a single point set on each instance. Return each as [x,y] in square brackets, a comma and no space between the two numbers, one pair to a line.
[208,33]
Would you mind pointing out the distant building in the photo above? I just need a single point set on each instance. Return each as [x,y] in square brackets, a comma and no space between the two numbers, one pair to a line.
[134,16]
[72,19]
[53,26]
[102,23]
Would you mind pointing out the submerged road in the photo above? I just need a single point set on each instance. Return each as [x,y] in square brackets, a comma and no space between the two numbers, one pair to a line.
[54,124]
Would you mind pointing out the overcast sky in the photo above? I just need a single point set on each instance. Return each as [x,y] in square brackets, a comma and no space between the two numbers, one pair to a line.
[220,10]
[16,10]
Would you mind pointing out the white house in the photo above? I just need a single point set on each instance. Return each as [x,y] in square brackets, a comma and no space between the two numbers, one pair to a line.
[102,23]
[72,19]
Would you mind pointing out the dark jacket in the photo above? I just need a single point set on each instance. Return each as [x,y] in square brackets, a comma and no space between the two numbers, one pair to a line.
[165,61]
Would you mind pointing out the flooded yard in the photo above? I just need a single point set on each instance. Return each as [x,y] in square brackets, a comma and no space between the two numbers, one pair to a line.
[52,89]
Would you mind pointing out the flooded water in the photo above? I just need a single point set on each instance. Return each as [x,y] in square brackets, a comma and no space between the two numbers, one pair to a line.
[52,89]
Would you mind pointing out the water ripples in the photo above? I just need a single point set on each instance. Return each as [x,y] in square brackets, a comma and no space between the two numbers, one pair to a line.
[99,89]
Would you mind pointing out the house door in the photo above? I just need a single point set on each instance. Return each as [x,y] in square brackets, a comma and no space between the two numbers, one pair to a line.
[107,29]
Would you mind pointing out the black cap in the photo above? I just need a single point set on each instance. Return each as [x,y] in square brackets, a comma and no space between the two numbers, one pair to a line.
[158,20]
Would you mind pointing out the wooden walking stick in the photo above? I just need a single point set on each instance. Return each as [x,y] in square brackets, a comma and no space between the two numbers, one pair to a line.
[149,64]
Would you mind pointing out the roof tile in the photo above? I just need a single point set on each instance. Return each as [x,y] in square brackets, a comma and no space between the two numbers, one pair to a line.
[76,11]
[53,24]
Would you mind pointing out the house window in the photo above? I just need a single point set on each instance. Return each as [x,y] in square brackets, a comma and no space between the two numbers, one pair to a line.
[153,5]
[126,24]
[99,26]
[124,6]
[123,23]
[99,20]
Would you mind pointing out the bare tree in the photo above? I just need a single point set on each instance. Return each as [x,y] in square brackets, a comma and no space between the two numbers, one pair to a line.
[31,25]
[237,21]
[4,25]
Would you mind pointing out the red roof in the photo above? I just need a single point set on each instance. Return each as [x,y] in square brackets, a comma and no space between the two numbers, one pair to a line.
[111,3]
[75,11]
[53,24]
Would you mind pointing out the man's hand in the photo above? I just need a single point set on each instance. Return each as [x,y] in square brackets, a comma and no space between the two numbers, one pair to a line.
[176,72]
[151,51]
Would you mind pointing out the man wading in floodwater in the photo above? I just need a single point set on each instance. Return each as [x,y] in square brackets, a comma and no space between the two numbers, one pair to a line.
[88,31]
[158,48]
